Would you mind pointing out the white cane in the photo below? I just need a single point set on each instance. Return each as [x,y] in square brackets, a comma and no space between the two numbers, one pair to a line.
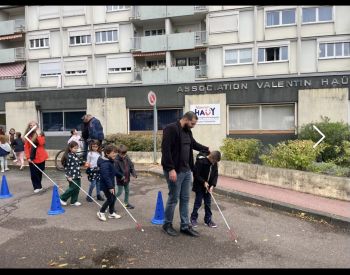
[233,235]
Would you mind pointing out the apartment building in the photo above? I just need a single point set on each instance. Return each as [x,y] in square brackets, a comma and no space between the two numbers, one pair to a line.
[248,71]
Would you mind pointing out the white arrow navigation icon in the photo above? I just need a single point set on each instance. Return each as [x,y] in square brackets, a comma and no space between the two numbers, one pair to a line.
[323,136]
[26,136]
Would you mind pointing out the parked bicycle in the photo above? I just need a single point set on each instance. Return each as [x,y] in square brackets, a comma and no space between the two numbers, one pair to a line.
[81,153]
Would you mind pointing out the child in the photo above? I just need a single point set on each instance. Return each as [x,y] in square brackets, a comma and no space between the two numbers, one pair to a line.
[12,136]
[75,137]
[125,166]
[5,149]
[92,170]
[18,145]
[108,172]
[71,164]
[205,175]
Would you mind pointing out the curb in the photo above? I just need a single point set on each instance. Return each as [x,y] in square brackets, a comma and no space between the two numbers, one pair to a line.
[276,205]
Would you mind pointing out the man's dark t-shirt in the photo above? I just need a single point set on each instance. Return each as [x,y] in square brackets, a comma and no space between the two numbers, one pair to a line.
[185,150]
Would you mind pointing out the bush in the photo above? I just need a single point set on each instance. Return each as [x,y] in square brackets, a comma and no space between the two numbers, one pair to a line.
[292,154]
[335,132]
[135,141]
[329,168]
[242,150]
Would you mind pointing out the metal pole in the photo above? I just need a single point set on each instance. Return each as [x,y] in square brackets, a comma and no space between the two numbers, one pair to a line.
[155,129]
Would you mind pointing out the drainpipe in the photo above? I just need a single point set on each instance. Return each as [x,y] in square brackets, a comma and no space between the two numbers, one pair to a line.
[105,105]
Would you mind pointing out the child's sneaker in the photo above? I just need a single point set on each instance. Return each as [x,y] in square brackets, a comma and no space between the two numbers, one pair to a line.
[101,216]
[129,206]
[211,224]
[114,216]
[7,169]
[100,198]
[194,223]
[76,203]
[63,202]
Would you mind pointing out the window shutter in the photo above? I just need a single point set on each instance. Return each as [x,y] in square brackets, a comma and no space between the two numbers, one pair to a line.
[223,22]
[48,12]
[73,10]
[53,67]
[119,62]
[75,65]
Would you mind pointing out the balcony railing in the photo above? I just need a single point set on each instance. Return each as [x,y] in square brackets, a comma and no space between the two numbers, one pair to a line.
[12,55]
[12,26]
[19,25]
[200,38]
[137,74]
[201,71]
[21,83]
[20,54]
[200,8]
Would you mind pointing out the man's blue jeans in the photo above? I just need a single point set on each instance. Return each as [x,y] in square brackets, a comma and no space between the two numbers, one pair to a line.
[178,190]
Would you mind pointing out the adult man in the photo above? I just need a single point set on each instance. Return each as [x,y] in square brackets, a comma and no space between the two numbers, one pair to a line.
[177,162]
[91,129]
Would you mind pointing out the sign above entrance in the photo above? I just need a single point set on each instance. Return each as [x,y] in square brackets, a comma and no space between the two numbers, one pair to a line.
[207,113]
[152,98]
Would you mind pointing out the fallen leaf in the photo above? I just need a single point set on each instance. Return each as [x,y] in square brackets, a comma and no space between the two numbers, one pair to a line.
[61,242]
[265,240]
[82,257]
[103,266]
[147,251]
[277,235]
[53,263]
[62,265]
[66,253]
[131,259]
[23,257]
[104,261]
[94,249]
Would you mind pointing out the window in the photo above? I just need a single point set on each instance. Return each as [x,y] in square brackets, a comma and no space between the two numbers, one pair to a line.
[281,17]
[47,12]
[262,117]
[317,14]
[223,22]
[181,62]
[142,120]
[334,50]
[75,67]
[79,40]
[50,68]
[119,64]
[117,8]
[107,36]
[273,54]
[154,32]
[39,43]
[62,121]
[155,63]
[238,56]
[73,10]
[193,61]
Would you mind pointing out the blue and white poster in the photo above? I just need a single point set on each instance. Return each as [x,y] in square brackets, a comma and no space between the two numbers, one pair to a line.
[207,113]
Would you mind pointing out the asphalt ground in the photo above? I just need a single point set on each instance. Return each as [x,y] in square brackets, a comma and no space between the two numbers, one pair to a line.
[30,238]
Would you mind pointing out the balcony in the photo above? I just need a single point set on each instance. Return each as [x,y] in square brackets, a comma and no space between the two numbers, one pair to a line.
[12,26]
[12,55]
[170,42]
[156,12]
[164,75]
[12,84]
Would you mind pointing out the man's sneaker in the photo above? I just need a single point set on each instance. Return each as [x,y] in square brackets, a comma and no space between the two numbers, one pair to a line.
[37,190]
[63,202]
[76,203]
[129,206]
[114,216]
[211,224]
[194,223]
[101,216]
[7,169]
[89,199]
[168,228]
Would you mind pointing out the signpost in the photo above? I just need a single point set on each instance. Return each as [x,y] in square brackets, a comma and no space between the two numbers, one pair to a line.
[152,100]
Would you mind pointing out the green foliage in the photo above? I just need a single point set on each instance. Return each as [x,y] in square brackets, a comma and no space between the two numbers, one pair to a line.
[329,168]
[135,141]
[292,154]
[242,150]
[335,132]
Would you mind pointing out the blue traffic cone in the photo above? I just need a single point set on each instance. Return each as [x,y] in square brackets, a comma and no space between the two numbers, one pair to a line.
[159,213]
[56,207]
[5,193]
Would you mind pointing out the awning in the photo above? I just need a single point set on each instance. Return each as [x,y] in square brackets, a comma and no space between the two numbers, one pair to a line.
[148,54]
[13,70]
[12,36]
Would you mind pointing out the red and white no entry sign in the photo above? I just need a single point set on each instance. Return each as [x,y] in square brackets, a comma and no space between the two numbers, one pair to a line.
[152,98]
